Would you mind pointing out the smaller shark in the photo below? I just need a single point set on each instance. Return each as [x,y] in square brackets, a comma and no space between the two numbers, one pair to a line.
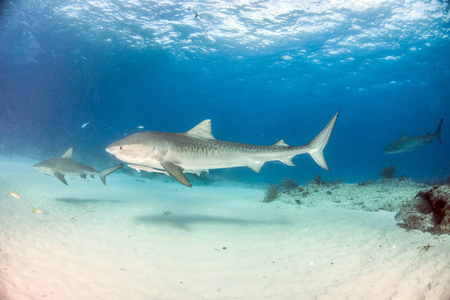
[66,166]
[409,143]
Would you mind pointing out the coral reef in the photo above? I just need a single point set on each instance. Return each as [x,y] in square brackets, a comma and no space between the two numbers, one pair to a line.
[388,172]
[383,194]
[429,211]
[287,185]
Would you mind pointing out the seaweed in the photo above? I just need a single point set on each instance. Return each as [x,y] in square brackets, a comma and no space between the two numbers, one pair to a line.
[288,184]
[388,172]
[272,192]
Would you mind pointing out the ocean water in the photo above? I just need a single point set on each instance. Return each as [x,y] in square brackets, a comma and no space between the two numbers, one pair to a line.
[86,73]
[261,70]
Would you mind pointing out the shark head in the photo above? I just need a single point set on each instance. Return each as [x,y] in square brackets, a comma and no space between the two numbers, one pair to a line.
[44,167]
[143,148]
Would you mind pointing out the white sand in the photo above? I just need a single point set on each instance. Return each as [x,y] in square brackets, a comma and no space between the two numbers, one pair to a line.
[114,242]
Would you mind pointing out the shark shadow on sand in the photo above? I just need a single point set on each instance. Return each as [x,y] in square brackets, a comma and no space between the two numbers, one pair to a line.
[186,221]
[84,201]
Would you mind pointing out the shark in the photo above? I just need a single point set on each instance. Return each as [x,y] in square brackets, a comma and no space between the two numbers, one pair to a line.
[197,149]
[409,143]
[67,166]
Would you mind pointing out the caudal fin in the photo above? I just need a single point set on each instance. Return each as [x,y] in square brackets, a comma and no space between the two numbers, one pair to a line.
[316,146]
[438,131]
[103,173]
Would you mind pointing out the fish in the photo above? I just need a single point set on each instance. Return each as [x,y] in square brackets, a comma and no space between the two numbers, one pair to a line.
[409,143]
[39,211]
[84,125]
[67,166]
[205,16]
[147,169]
[153,170]
[197,149]
[15,195]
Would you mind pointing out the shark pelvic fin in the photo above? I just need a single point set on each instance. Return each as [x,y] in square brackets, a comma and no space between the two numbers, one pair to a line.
[201,131]
[61,176]
[256,165]
[68,154]
[288,161]
[176,172]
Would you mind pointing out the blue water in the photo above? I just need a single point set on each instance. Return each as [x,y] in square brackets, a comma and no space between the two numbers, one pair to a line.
[261,70]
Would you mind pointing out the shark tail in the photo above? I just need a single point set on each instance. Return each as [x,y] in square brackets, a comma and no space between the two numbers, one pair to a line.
[438,131]
[316,146]
[103,173]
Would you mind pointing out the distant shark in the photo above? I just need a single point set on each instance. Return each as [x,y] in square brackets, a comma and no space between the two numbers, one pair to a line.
[409,143]
[66,166]
[198,150]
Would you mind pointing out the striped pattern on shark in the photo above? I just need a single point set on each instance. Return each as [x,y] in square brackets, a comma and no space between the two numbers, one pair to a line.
[197,149]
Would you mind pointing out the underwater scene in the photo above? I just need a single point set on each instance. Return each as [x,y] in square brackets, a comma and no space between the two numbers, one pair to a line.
[224,149]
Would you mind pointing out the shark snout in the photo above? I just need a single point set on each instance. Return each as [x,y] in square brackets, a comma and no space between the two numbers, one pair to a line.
[112,149]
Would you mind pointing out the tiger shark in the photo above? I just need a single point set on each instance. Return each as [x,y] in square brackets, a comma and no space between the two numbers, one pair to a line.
[409,143]
[66,166]
[198,150]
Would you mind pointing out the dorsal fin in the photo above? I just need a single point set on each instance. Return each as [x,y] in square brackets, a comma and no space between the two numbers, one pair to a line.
[201,131]
[281,143]
[68,154]
[404,135]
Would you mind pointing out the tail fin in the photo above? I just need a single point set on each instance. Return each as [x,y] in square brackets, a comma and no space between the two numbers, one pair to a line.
[438,131]
[106,172]
[316,146]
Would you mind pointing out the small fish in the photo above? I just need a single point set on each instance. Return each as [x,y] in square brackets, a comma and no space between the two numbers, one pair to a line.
[84,125]
[15,195]
[140,127]
[39,211]
[167,213]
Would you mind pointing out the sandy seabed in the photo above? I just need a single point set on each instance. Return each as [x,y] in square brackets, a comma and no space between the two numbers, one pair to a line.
[153,240]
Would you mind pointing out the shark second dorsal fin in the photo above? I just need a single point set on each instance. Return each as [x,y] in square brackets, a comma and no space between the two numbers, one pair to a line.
[281,143]
[68,153]
[201,131]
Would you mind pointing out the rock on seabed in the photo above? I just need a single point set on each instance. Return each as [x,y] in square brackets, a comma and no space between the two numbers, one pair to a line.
[429,211]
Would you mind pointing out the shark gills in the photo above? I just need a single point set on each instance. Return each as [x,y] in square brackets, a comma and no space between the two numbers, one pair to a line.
[67,166]
[197,149]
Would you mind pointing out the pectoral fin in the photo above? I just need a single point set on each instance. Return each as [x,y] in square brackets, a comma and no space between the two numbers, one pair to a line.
[60,177]
[176,172]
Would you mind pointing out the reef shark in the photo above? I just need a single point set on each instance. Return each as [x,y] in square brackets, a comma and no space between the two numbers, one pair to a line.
[198,150]
[409,143]
[66,166]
